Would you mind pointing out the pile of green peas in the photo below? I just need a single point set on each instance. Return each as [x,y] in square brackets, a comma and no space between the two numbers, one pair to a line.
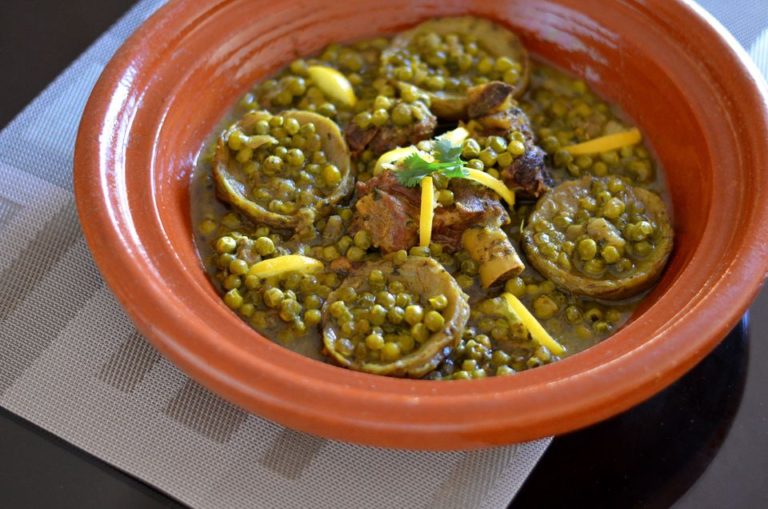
[289,175]
[385,111]
[450,63]
[565,315]
[607,236]
[294,298]
[565,112]
[292,88]
[493,153]
[383,321]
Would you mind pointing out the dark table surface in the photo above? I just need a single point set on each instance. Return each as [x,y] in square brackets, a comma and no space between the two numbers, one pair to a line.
[701,443]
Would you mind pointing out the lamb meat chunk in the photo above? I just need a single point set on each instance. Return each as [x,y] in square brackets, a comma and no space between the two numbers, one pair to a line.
[389,211]
[473,206]
[529,173]
[489,98]
[389,136]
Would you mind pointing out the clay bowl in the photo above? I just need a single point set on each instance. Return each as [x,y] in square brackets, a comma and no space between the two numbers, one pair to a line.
[701,104]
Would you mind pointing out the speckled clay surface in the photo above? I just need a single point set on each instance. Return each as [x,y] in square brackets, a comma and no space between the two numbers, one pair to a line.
[701,105]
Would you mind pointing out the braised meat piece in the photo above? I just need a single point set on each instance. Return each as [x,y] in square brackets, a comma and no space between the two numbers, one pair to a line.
[493,113]
[487,99]
[389,211]
[473,206]
[529,173]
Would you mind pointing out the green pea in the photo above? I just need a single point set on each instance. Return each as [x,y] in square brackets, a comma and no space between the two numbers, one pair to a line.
[382,102]
[403,299]
[421,251]
[233,299]
[390,351]
[414,314]
[601,327]
[445,197]
[488,156]
[376,278]
[400,257]
[504,159]
[273,297]
[476,164]
[438,302]
[434,321]
[516,148]
[385,298]
[613,208]
[362,239]
[420,332]
[273,164]
[327,109]
[395,315]
[377,314]
[289,310]
[225,245]
[355,254]
[515,286]
[374,341]
[587,249]
[261,127]
[470,149]
[331,174]
[363,119]
[572,314]
[642,248]
[497,143]
[584,162]
[232,281]
[264,246]
[313,301]
[610,254]
[295,157]
[401,115]
[238,267]
[380,117]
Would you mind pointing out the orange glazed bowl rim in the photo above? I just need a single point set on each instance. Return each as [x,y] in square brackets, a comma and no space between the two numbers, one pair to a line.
[135,150]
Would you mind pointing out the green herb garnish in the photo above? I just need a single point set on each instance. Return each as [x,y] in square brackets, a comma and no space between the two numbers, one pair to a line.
[447,163]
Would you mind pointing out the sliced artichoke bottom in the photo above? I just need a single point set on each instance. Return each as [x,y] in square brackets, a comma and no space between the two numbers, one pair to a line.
[232,159]
[383,342]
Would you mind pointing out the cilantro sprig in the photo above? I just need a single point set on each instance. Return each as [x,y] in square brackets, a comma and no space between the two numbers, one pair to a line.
[447,162]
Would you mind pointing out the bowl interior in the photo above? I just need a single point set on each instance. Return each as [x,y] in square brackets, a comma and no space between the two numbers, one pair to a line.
[169,87]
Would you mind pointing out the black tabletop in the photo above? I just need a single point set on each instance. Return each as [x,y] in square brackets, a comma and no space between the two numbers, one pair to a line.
[701,443]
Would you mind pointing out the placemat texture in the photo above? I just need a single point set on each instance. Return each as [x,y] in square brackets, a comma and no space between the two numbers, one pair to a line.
[72,362]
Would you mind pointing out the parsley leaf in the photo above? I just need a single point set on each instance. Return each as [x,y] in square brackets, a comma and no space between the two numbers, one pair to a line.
[447,162]
[445,152]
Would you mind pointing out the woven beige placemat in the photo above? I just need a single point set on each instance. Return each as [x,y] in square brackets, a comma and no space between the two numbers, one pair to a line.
[72,362]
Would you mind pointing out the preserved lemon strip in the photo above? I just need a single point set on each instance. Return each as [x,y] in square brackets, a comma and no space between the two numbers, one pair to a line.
[427,212]
[492,183]
[387,160]
[282,264]
[606,143]
[538,333]
[455,136]
[333,84]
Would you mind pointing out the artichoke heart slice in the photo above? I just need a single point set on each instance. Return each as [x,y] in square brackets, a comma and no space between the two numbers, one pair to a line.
[494,39]
[423,277]
[232,185]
